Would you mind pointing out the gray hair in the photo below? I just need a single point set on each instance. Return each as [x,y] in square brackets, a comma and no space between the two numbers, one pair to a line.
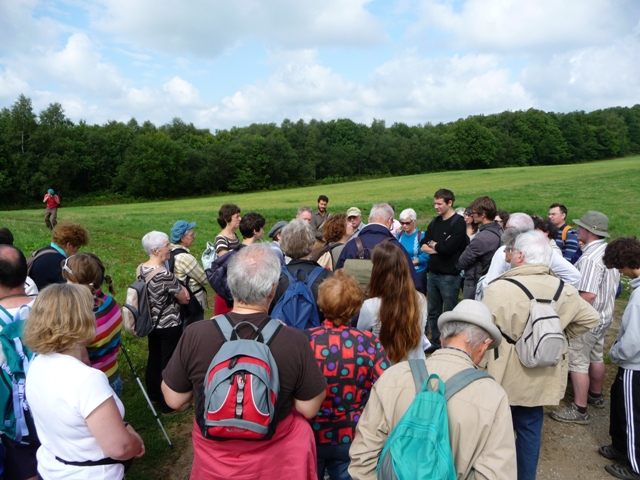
[475,335]
[380,213]
[304,209]
[153,241]
[535,248]
[409,213]
[509,237]
[521,222]
[460,211]
[252,274]
[297,239]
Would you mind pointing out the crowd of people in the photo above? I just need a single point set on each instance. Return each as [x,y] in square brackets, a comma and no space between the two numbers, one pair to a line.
[321,389]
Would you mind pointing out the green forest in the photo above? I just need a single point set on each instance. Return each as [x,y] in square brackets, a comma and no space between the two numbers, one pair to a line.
[118,162]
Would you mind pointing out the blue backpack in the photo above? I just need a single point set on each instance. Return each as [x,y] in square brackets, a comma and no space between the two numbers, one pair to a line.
[217,275]
[16,416]
[419,448]
[297,307]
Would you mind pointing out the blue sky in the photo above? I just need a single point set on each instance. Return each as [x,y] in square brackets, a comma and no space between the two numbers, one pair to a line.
[221,64]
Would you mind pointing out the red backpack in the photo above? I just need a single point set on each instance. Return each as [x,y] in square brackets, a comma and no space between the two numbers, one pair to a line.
[242,385]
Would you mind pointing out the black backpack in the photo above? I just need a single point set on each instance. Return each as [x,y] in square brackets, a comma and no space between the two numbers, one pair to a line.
[193,311]
[217,275]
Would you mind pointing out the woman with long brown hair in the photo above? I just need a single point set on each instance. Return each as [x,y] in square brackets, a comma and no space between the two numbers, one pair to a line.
[395,310]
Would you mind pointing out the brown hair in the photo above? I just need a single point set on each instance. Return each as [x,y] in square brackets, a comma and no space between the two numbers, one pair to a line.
[335,227]
[226,213]
[340,298]
[71,233]
[400,329]
[484,205]
[61,318]
[623,252]
[87,269]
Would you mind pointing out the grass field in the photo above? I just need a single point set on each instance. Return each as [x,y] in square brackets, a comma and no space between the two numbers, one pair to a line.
[608,186]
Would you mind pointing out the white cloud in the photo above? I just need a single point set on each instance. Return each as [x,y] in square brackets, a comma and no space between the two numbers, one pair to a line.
[407,89]
[11,85]
[208,28]
[590,79]
[532,26]
[182,92]
[21,30]
[79,65]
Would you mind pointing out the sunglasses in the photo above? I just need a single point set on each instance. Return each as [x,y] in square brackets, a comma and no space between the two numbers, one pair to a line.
[65,267]
[406,223]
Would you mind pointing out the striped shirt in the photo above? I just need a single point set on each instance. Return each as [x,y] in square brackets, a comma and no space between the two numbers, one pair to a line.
[599,280]
[103,350]
[224,243]
[162,289]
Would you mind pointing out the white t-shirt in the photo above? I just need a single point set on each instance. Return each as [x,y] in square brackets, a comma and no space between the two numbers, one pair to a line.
[62,392]
[368,320]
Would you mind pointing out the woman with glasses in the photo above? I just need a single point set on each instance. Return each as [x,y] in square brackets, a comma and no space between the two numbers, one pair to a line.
[395,311]
[188,271]
[165,294]
[87,269]
[472,227]
[409,237]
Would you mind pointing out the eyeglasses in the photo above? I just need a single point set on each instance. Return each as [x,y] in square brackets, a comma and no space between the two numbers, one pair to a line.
[508,249]
[469,213]
[193,235]
[406,223]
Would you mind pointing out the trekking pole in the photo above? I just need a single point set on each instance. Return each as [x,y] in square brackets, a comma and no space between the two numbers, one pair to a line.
[144,392]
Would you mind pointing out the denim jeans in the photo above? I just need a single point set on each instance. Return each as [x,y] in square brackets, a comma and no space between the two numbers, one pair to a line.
[527,423]
[335,458]
[442,296]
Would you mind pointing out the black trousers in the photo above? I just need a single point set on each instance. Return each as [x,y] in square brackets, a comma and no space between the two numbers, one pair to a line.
[624,426]
[162,342]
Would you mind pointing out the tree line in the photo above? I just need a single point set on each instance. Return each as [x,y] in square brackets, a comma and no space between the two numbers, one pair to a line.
[132,160]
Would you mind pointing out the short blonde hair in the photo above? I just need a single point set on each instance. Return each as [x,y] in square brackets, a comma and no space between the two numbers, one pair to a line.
[340,298]
[61,318]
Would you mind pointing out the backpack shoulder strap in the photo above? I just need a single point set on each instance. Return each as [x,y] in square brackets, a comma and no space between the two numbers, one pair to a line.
[225,326]
[316,253]
[172,257]
[565,231]
[153,273]
[559,291]
[419,372]
[360,253]
[399,236]
[313,276]
[269,330]
[461,379]
[5,317]
[522,287]
[287,273]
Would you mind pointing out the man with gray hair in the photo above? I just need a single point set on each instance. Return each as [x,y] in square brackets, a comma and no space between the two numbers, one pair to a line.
[529,389]
[305,214]
[252,277]
[521,222]
[480,428]
[377,231]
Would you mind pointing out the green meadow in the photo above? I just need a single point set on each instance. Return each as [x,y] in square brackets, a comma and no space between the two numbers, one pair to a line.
[608,186]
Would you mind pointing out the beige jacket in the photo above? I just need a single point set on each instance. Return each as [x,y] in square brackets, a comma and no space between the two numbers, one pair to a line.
[480,427]
[532,387]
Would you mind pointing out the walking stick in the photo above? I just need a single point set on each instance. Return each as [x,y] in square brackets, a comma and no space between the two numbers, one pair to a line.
[135,374]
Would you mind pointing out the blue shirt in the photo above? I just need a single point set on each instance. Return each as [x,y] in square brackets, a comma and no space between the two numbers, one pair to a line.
[411,244]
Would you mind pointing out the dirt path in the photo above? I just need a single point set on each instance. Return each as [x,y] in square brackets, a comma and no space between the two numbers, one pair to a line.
[568,452]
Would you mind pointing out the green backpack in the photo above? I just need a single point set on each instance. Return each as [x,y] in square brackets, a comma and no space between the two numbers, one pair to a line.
[419,448]
[16,416]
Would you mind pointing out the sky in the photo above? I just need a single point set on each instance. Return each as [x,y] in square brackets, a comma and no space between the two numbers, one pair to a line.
[221,63]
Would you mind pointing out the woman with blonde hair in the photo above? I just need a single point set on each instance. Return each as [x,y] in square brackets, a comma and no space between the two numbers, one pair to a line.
[78,417]
[87,269]
[352,361]
[395,310]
